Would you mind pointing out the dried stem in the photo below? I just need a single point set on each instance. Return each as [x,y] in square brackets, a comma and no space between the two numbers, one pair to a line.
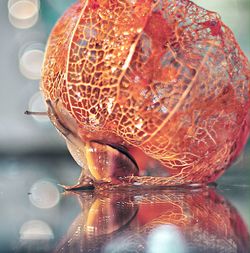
[36,113]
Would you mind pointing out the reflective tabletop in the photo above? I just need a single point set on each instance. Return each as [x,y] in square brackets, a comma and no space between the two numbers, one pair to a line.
[37,216]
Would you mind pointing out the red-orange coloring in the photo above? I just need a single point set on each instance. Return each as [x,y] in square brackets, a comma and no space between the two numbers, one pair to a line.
[161,84]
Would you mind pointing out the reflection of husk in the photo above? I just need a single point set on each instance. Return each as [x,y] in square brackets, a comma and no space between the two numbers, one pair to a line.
[207,222]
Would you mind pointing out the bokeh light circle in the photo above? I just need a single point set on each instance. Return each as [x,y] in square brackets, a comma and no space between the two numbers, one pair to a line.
[166,239]
[23,14]
[37,104]
[36,230]
[44,194]
[31,59]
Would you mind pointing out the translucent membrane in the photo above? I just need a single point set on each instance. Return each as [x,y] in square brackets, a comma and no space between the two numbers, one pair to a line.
[37,104]
[44,194]
[36,230]
[23,14]
[31,60]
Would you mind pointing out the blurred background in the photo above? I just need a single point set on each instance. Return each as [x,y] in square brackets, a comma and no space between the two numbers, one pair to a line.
[33,157]
[25,26]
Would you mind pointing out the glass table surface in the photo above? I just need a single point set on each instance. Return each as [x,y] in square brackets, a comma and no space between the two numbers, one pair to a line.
[37,216]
